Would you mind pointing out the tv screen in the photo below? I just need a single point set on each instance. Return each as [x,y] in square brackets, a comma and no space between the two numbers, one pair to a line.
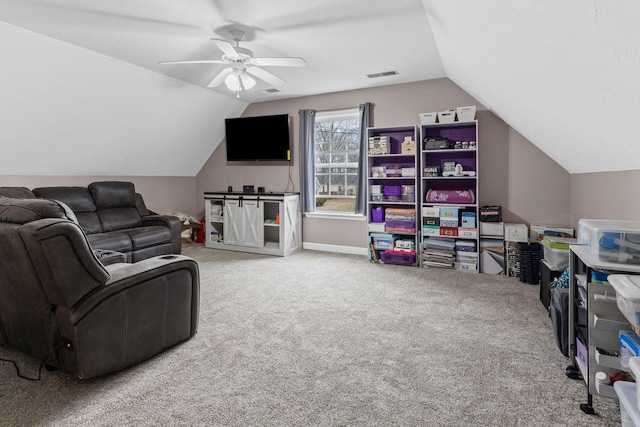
[261,138]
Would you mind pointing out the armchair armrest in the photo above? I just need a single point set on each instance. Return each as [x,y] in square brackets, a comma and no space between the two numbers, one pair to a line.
[143,309]
[172,222]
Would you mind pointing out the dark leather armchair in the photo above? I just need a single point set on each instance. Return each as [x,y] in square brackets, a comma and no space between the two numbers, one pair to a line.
[60,303]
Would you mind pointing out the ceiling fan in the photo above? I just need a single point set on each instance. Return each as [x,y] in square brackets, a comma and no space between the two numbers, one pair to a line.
[242,65]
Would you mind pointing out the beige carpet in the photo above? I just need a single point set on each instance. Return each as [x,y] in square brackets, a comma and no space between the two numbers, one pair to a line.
[331,340]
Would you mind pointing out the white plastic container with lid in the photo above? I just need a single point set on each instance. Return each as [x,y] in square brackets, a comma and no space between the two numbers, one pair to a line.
[634,364]
[612,241]
[627,289]
[629,412]
[557,258]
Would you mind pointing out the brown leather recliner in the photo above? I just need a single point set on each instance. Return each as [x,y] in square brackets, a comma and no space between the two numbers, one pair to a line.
[60,303]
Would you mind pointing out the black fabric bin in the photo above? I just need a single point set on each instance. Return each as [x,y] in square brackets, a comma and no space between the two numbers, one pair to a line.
[530,257]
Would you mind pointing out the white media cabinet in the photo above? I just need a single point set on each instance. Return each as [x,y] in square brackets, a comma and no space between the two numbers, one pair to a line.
[264,223]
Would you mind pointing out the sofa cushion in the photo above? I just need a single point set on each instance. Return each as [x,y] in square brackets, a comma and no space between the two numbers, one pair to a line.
[113,194]
[113,241]
[144,237]
[79,200]
[115,204]
[17,192]
[22,211]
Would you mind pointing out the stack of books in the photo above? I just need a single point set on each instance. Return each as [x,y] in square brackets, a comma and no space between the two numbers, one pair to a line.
[439,252]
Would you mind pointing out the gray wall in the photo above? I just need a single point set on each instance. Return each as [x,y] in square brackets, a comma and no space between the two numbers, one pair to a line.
[530,186]
[513,173]
[167,194]
[605,195]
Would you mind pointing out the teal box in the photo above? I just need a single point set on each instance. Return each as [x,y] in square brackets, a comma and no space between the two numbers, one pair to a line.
[449,213]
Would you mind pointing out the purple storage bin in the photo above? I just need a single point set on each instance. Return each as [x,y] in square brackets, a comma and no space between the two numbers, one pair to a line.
[389,257]
[377,214]
[392,190]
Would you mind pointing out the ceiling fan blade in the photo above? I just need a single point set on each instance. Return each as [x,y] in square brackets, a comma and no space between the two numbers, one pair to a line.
[273,80]
[225,47]
[279,62]
[193,62]
[217,81]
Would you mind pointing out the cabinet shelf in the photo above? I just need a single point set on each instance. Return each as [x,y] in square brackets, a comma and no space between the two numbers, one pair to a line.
[392,155]
[447,177]
[398,164]
[458,205]
[452,150]
[391,178]
[436,216]
[391,203]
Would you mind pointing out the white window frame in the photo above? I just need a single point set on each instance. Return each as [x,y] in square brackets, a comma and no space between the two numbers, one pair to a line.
[333,115]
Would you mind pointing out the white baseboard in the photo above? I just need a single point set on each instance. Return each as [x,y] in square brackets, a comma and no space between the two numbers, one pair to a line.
[335,248]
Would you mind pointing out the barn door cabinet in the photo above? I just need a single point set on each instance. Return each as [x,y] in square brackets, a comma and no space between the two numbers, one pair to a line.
[266,223]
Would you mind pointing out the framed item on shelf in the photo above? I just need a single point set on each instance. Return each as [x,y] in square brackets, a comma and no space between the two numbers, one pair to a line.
[431,171]
[449,166]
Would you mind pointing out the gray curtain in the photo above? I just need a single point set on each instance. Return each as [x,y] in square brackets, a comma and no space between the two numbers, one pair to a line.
[307,162]
[366,120]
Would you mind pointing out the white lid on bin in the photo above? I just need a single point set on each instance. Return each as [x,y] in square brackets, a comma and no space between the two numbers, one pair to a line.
[627,395]
[634,364]
[626,286]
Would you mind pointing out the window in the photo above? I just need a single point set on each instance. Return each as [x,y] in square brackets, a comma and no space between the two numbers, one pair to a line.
[336,158]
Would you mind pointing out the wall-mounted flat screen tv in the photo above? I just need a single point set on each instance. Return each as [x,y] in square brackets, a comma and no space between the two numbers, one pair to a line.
[260,138]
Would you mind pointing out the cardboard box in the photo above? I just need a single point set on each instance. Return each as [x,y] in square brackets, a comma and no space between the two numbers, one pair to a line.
[538,231]
[408,172]
[431,220]
[447,116]
[470,233]
[431,230]
[431,211]
[516,232]
[376,227]
[408,147]
[466,114]
[492,229]
[428,118]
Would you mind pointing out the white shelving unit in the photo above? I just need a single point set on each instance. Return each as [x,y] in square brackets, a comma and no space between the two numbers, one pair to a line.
[449,197]
[392,193]
[266,223]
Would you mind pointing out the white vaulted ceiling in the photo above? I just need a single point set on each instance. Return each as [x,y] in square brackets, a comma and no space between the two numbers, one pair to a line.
[563,74]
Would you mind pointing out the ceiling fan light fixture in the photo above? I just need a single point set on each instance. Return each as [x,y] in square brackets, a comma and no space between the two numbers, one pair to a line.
[247,81]
[232,81]
[239,80]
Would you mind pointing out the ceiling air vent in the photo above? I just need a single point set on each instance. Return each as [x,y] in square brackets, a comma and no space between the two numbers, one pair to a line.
[383,74]
[266,91]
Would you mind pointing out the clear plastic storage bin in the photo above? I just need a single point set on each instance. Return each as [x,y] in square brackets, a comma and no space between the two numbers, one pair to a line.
[612,241]
[629,413]
[557,258]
